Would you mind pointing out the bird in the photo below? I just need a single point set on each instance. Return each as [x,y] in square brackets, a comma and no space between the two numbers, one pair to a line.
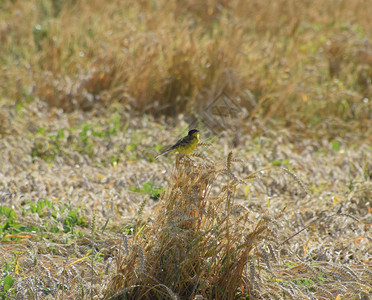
[186,145]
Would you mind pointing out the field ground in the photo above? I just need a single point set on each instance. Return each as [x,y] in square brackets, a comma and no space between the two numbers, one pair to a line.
[275,205]
[62,173]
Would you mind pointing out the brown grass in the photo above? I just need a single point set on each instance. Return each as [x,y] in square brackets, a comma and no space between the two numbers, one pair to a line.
[222,228]
[304,60]
[201,243]
[194,246]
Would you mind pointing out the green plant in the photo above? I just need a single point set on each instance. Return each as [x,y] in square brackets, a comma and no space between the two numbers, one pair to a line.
[74,219]
[54,219]
[7,280]
[48,147]
[150,189]
[7,290]
[39,33]
[9,226]
[279,162]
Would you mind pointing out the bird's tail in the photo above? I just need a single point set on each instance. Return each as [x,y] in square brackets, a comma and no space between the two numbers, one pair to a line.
[163,153]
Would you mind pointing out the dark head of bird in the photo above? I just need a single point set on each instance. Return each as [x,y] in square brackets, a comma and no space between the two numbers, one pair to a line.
[193,131]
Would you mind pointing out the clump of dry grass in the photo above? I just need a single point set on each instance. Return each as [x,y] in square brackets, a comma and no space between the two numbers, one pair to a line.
[201,243]
[194,245]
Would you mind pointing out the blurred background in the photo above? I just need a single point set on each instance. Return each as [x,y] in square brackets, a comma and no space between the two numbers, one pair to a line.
[304,64]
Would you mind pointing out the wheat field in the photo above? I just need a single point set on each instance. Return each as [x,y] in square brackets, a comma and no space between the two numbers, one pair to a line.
[275,203]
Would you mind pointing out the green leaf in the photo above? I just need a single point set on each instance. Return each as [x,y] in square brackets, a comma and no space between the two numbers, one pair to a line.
[148,188]
[8,282]
[276,163]
[335,145]
[8,212]
[41,131]
[61,133]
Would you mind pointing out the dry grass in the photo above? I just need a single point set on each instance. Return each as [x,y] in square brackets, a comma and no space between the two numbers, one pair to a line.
[306,61]
[284,84]
[221,229]
[194,245]
[201,243]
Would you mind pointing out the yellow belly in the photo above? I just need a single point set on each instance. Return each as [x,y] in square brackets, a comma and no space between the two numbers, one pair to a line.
[187,149]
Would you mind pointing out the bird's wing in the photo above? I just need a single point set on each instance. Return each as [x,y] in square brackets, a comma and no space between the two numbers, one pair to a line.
[180,142]
[169,149]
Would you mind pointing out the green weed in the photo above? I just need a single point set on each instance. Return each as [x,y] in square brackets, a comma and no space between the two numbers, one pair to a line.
[279,162]
[7,281]
[335,145]
[150,189]
[62,219]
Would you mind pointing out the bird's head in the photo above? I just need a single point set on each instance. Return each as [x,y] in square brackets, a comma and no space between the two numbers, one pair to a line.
[194,132]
